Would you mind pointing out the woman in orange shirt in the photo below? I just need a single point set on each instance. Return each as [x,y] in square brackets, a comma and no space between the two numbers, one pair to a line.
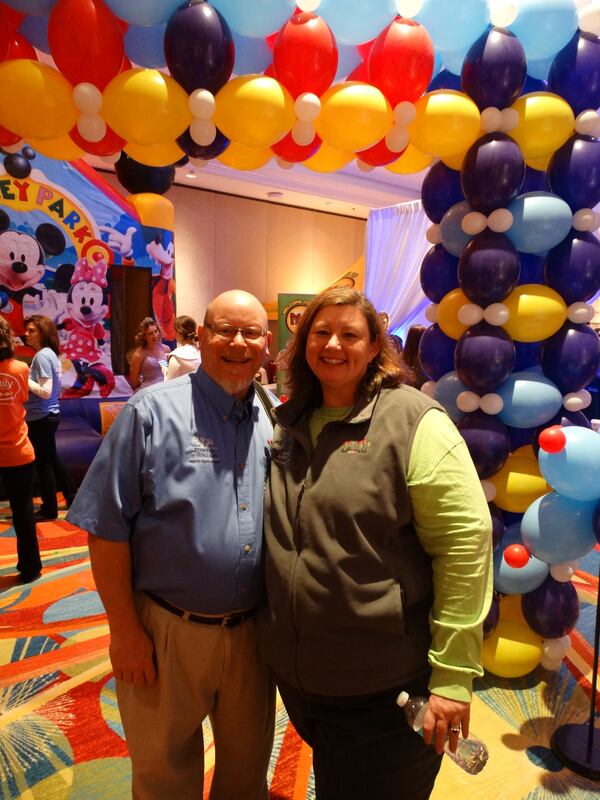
[16,455]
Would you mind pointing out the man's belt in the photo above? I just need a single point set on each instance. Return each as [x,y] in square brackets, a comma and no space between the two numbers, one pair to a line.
[226,620]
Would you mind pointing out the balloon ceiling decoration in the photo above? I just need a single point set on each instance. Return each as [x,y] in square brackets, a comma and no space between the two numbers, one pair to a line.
[497,98]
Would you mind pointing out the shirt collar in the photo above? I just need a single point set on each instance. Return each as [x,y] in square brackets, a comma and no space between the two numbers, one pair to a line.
[227,406]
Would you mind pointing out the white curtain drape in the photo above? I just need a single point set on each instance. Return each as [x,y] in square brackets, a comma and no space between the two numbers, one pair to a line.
[395,247]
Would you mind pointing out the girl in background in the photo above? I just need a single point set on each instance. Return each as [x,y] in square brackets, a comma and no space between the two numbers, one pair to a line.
[186,356]
[146,368]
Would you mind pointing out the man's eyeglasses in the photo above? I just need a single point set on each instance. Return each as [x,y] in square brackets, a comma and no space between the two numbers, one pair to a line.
[230,332]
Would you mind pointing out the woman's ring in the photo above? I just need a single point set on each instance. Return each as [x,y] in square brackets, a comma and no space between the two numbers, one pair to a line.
[454,729]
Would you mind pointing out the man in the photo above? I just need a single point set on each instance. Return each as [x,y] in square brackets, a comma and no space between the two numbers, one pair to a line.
[173,507]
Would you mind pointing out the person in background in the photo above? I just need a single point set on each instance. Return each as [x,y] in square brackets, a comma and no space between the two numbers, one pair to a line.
[17,456]
[149,356]
[415,375]
[43,414]
[378,567]
[186,356]
[173,503]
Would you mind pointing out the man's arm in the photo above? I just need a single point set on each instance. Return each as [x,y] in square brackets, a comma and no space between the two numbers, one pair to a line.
[131,649]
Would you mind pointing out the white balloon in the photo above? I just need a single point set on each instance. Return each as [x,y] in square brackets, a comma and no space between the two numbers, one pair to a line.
[556,648]
[510,119]
[91,127]
[500,220]
[470,314]
[404,112]
[587,122]
[433,234]
[474,222]
[303,133]
[203,131]
[281,162]
[467,402]
[308,5]
[87,98]
[491,403]
[551,664]
[589,19]
[201,103]
[409,8]
[562,572]
[502,12]
[363,166]
[581,312]
[489,490]
[431,313]
[496,314]
[491,119]
[397,138]
[428,388]
[586,219]
[307,107]
[577,401]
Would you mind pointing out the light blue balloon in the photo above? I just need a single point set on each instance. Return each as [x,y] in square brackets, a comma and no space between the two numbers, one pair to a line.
[544,26]
[557,529]
[252,56]
[145,45]
[517,580]
[255,20]
[541,220]
[33,8]
[453,60]
[454,239]
[447,390]
[575,471]
[453,25]
[356,21]
[530,399]
[35,30]
[540,69]
[147,13]
[348,59]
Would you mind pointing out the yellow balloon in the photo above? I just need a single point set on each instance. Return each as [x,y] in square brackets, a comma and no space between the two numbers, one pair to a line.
[35,100]
[62,148]
[540,164]
[510,609]
[447,313]
[239,156]
[545,123]
[455,162]
[446,124]
[512,650]
[410,162]
[536,312]
[153,210]
[518,483]
[154,155]
[328,159]
[254,110]
[146,107]
[526,451]
[353,116]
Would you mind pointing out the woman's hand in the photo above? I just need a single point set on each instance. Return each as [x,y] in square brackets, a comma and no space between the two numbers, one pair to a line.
[133,379]
[443,720]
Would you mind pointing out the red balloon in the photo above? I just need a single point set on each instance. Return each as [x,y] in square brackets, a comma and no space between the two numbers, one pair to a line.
[378,154]
[270,71]
[11,16]
[6,34]
[552,440]
[516,555]
[86,41]
[20,48]
[287,149]
[8,138]
[401,61]
[305,56]
[364,48]
[359,73]
[108,146]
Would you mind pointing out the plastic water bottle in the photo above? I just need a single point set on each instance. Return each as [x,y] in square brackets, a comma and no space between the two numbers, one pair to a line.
[471,754]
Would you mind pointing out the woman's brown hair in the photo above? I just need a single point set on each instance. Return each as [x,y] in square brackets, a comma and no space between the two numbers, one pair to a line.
[47,329]
[302,384]
[187,329]
[140,335]
[7,345]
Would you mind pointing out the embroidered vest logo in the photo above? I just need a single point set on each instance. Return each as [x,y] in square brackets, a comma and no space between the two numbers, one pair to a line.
[203,451]
[355,447]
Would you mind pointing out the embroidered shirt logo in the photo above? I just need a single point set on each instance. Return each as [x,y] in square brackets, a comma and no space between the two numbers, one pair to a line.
[356,447]
[203,451]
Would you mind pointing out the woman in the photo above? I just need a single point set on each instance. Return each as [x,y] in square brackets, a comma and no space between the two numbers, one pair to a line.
[43,414]
[377,529]
[186,356]
[415,377]
[16,455]
[148,360]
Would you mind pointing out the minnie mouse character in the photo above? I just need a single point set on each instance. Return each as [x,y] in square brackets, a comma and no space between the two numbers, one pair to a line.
[87,305]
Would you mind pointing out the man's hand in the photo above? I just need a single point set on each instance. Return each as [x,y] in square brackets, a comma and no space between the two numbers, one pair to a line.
[132,656]
[441,718]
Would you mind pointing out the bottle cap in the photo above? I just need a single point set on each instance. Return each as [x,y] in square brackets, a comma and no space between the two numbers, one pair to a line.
[402,699]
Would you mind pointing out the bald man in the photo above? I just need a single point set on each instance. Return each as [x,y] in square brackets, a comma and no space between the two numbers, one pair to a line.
[173,507]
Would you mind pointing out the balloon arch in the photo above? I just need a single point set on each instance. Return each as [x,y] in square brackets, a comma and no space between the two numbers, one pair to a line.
[499,97]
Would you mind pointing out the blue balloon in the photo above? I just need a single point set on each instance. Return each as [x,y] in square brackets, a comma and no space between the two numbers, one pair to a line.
[35,30]
[552,609]
[517,580]
[494,69]
[535,180]
[492,173]
[445,80]
[150,12]
[527,355]
[487,440]
[572,268]
[557,529]
[352,22]
[438,273]
[541,220]
[145,45]
[534,85]
[498,524]
[484,357]
[348,59]
[455,25]
[530,399]
[571,356]
[544,27]
[440,191]
[575,72]
[447,390]
[252,55]
[454,239]
[34,8]
[540,69]
[575,470]
[205,152]
[436,352]
[532,268]
[574,172]
[519,437]
[254,20]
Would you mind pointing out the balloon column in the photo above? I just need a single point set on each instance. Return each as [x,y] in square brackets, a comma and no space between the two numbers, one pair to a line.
[513,262]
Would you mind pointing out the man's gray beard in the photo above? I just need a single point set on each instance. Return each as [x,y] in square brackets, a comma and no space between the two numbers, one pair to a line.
[235,387]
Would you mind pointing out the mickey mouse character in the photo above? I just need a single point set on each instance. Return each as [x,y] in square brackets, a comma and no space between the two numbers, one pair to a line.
[22,266]
[87,305]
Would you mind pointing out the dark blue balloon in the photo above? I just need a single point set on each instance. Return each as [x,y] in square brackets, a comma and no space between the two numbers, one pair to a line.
[527,355]
[570,358]
[535,181]
[492,172]
[498,524]
[552,609]
[138,178]
[189,146]
[574,172]
[534,85]
[493,617]
[488,268]
[438,273]
[484,357]
[518,438]
[440,191]
[445,80]
[487,440]
[572,268]
[494,69]
[575,72]
[436,352]
[532,268]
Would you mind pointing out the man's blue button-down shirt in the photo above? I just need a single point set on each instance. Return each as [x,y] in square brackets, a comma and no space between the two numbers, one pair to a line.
[181,476]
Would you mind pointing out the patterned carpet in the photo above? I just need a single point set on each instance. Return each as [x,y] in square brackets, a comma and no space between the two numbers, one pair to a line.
[61,736]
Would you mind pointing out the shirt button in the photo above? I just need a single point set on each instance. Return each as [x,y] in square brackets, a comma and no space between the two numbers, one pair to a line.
[247,548]
[243,506]
[242,465]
